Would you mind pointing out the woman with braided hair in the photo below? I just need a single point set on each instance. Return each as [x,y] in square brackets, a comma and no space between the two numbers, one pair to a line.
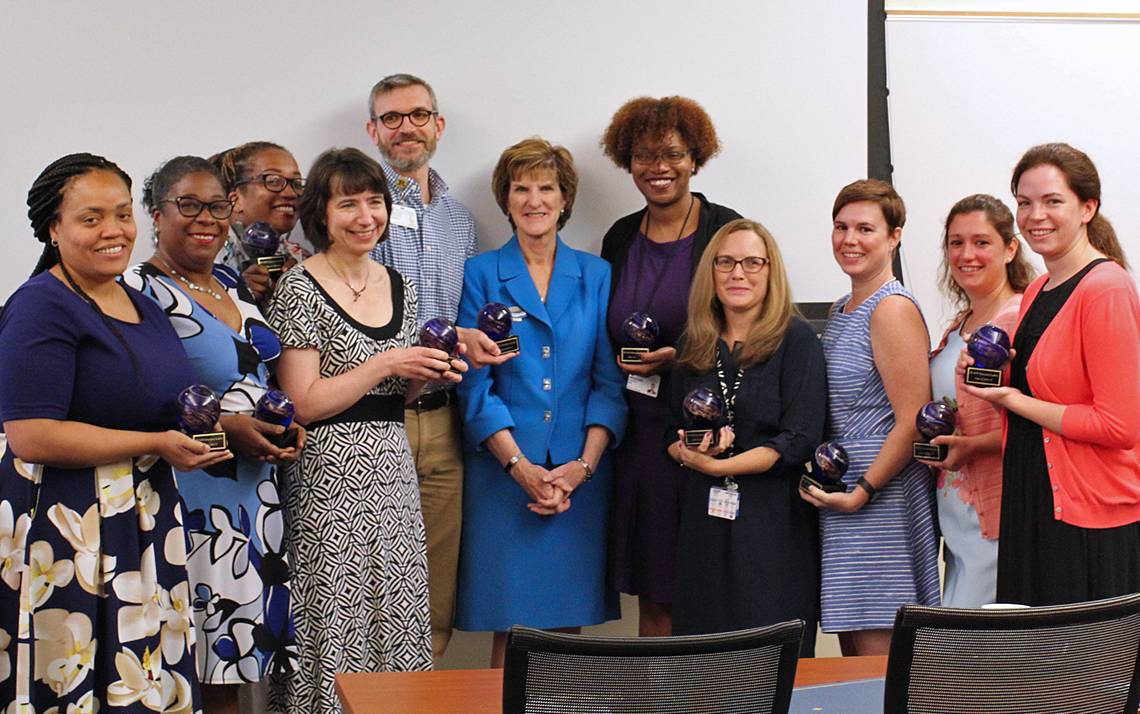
[94,597]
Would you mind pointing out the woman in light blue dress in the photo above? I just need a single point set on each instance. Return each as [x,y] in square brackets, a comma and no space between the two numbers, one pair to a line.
[878,541]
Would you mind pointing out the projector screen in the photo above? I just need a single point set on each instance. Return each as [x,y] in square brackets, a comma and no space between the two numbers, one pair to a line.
[785,84]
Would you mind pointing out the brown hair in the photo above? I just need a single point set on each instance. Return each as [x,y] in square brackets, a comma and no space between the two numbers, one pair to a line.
[880,193]
[649,118]
[233,164]
[706,321]
[1018,271]
[1083,179]
[338,172]
[535,154]
[397,81]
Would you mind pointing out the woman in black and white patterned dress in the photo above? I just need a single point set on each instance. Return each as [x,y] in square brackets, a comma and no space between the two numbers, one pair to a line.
[347,325]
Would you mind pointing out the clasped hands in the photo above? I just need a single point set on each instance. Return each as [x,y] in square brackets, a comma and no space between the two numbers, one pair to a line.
[704,456]
[550,488]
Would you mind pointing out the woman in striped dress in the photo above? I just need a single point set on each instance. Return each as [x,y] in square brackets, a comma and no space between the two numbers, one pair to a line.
[878,543]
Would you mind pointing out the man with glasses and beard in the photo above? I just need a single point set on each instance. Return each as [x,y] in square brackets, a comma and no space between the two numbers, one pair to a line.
[431,236]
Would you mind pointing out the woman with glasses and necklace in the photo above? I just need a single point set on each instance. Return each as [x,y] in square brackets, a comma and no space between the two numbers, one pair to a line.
[265,184]
[653,253]
[356,535]
[757,563]
[234,519]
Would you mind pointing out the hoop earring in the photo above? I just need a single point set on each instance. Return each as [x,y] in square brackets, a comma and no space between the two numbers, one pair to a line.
[54,243]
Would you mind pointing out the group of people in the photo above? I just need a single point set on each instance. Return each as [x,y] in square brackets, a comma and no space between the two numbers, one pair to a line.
[480,487]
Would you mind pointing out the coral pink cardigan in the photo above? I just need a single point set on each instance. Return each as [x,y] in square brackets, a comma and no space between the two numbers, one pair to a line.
[1089,360]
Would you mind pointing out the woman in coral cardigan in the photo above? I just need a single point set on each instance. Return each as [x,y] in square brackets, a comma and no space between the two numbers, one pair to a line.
[1070,527]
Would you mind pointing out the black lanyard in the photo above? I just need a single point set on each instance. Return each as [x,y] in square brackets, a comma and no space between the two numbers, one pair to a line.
[722,380]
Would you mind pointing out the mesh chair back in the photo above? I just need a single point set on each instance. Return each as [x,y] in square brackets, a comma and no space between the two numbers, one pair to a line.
[1068,658]
[749,671]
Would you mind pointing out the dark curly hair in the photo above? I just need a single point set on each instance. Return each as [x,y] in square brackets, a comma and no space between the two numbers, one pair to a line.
[649,118]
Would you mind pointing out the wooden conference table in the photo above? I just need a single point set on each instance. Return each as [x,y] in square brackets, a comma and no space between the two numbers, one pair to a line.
[480,691]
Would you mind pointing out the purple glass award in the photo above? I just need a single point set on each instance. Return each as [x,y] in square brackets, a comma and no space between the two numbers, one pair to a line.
[275,407]
[640,332]
[938,418]
[198,412]
[829,464]
[704,411]
[440,334]
[261,242]
[989,346]
[494,320]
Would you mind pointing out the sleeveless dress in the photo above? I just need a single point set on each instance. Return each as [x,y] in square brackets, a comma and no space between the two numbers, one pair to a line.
[886,554]
[356,537]
[95,603]
[234,516]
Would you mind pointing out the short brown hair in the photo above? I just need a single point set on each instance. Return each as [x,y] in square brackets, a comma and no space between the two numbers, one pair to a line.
[534,154]
[880,193]
[396,81]
[338,172]
[649,118]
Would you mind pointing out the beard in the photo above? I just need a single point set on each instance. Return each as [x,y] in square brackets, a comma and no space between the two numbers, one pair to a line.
[408,164]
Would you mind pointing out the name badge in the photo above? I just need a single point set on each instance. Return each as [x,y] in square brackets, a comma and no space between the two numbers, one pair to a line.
[649,386]
[724,503]
[517,313]
[404,216]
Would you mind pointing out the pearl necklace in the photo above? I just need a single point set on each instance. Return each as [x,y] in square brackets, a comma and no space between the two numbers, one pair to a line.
[191,285]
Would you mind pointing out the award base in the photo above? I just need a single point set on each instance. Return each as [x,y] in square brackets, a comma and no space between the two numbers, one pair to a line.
[981,377]
[806,481]
[632,355]
[694,437]
[508,345]
[284,440]
[216,440]
[927,451]
[272,263]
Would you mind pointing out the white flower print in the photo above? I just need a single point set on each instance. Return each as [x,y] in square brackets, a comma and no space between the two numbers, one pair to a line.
[5,658]
[93,568]
[31,472]
[177,628]
[65,651]
[13,539]
[147,504]
[174,548]
[140,587]
[87,704]
[46,573]
[116,487]
[147,682]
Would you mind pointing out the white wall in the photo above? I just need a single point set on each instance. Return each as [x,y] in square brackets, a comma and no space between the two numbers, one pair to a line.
[141,82]
[969,95]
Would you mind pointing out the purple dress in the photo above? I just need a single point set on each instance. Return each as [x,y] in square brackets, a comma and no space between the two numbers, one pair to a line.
[648,484]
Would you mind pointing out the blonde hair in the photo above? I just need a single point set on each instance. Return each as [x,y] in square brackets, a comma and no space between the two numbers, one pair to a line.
[706,319]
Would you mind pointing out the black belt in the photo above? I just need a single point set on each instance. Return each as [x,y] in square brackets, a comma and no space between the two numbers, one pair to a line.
[434,400]
[370,407]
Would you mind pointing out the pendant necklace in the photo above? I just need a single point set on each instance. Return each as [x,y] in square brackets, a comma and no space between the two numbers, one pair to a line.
[355,293]
[692,200]
[189,284]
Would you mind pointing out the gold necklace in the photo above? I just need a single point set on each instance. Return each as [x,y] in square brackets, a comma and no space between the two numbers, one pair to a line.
[355,293]
[189,284]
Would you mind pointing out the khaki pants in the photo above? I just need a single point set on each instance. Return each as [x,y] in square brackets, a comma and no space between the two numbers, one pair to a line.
[437,447]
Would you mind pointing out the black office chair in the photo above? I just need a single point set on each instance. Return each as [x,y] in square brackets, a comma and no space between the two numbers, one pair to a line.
[729,673]
[1069,658]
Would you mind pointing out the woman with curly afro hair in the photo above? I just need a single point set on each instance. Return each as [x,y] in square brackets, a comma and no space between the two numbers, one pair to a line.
[654,251]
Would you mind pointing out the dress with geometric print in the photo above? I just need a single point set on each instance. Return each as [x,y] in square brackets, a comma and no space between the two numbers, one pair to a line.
[239,575]
[356,536]
[94,598]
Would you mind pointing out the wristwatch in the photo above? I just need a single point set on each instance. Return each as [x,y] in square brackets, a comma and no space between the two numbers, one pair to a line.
[588,468]
[511,463]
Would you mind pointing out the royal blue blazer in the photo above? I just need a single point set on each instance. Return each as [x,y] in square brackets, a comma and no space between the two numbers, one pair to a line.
[565,378]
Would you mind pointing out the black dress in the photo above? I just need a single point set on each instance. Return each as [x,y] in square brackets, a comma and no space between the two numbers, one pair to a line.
[1041,560]
[763,567]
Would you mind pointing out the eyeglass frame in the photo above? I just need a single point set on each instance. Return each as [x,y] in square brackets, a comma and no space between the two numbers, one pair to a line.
[297,183]
[660,156]
[764,262]
[431,113]
[204,205]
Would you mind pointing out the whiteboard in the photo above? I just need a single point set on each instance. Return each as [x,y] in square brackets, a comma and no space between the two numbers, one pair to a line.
[784,82]
[969,94]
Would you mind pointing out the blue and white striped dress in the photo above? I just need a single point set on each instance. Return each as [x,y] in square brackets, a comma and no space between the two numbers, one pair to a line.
[886,554]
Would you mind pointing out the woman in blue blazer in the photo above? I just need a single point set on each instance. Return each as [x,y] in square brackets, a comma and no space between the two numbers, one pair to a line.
[534,539]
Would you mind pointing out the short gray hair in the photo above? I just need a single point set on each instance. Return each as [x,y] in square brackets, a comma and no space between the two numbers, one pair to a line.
[395,81]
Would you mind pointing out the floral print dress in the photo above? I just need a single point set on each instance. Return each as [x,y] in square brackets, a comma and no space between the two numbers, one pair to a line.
[95,607]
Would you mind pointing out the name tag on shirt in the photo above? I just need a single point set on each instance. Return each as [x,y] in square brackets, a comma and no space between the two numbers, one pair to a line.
[724,503]
[649,386]
[404,216]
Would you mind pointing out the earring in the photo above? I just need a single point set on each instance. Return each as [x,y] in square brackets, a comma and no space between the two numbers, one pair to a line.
[54,243]
[561,211]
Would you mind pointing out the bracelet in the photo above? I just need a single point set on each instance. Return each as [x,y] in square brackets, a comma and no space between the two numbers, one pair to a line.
[864,484]
[511,463]
[588,468]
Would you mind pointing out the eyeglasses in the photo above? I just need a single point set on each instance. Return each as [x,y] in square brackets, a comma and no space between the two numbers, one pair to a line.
[192,208]
[649,158]
[751,264]
[275,182]
[393,120]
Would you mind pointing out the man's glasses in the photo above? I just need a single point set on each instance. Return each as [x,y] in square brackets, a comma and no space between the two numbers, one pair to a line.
[275,182]
[393,120]
[751,264]
[649,158]
[192,208]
